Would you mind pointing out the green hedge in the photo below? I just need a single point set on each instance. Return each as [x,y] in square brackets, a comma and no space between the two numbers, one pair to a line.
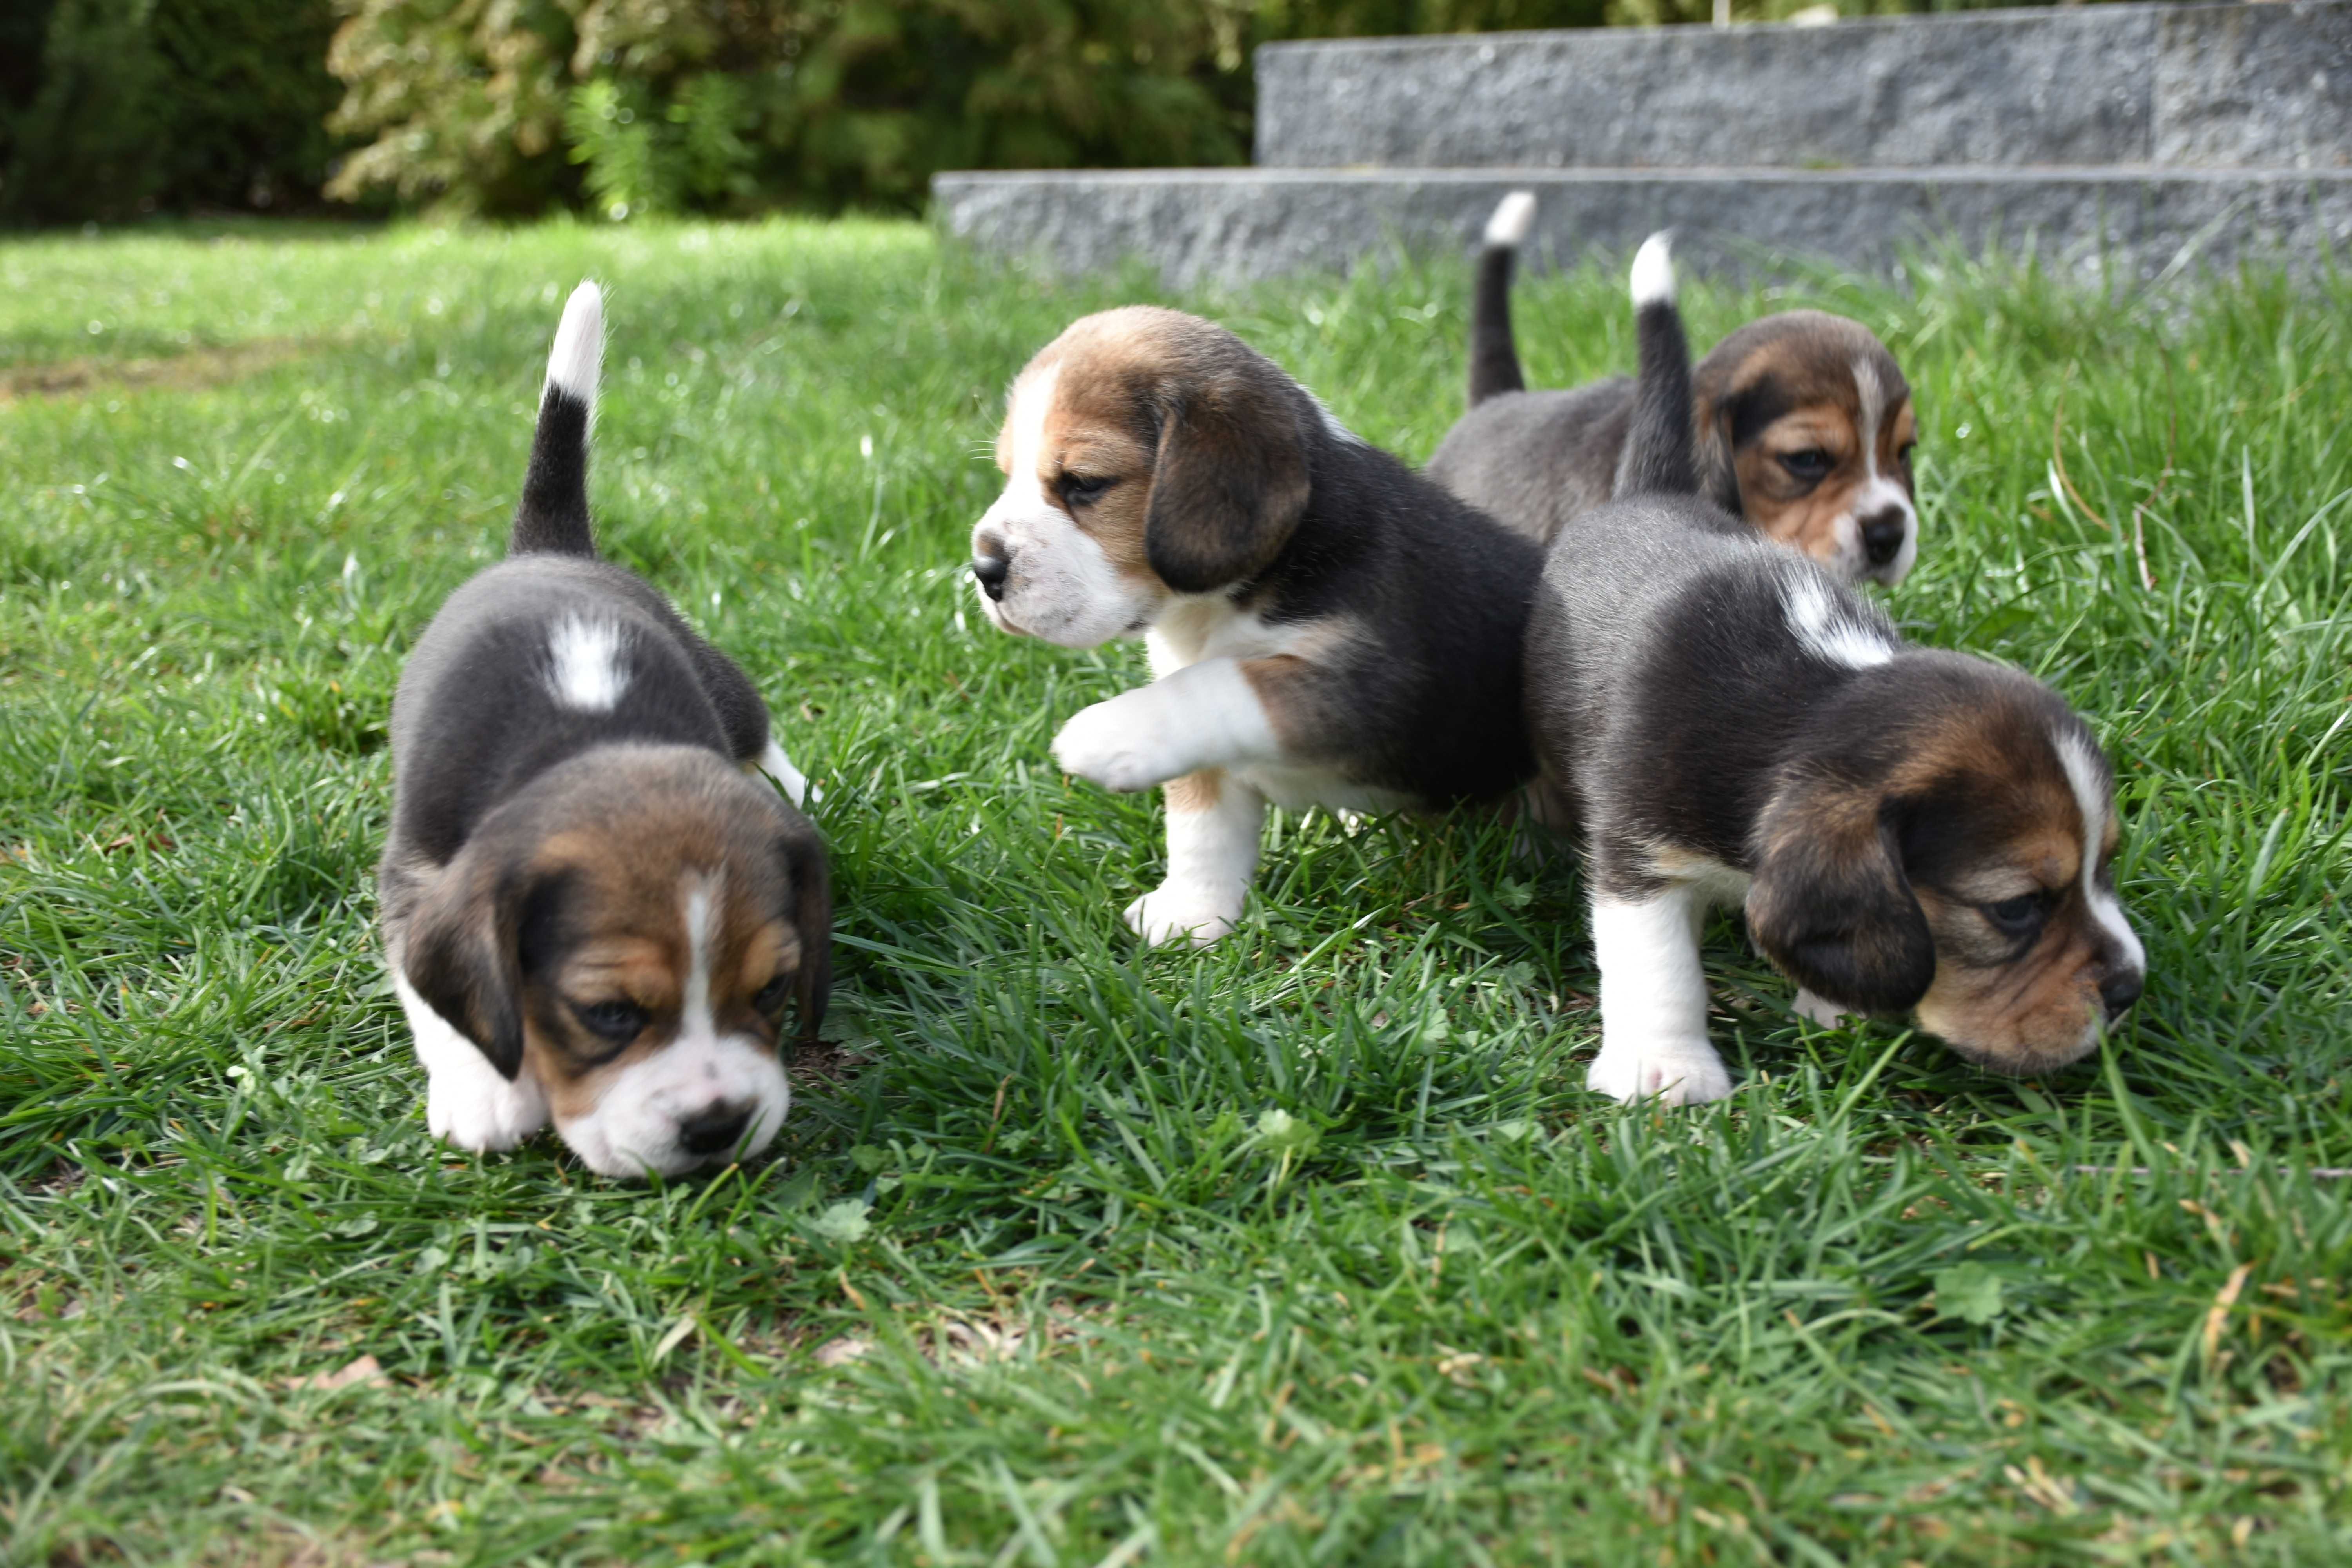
[509,108]
[114,108]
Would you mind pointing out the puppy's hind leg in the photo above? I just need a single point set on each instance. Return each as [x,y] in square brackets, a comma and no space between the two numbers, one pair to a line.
[1654,1000]
[1215,822]
[466,1099]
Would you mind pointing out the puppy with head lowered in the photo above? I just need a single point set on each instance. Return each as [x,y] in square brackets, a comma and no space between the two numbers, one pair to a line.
[597,908]
[1803,423]
[1909,830]
[1327,626]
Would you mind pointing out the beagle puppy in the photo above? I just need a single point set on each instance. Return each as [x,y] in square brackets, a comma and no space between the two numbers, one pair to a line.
[1909,830]
[1803,421]
[1326,625]
[596,907]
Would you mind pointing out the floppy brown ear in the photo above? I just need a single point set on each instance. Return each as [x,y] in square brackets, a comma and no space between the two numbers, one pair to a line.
[1229,485]
[462,957]
[1718,478]
[813,921]
[1830,905]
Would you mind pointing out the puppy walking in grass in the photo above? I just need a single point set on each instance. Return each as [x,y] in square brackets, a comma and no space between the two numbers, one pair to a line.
[1327,626]
[1910,830]
[596,908]
[1802,420]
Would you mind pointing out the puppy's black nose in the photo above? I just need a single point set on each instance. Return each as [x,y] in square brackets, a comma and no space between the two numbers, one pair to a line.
[1882,536]
[991,567]
[2119,991]
[714,1131]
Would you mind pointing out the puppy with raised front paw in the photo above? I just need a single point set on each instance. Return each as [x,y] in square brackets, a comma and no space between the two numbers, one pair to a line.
[597,908]
[1327,626]
[1803,423]
[1910,831]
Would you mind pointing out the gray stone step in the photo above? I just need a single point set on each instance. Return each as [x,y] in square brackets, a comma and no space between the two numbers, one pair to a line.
[2263,85]
[1230,226]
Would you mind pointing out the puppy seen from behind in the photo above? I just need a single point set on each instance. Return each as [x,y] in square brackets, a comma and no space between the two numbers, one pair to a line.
[597,906]
[1910,831]
[1327,626]
[1803,425]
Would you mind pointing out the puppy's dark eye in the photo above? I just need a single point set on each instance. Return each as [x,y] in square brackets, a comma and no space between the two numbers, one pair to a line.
[1080,489]
[1904,454]
[2017,916]
[616,1021]
[1808,465]
[770,998]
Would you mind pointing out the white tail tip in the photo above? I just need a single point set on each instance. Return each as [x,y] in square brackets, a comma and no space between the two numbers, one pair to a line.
[579,348]
[1514,216]
[1654,272]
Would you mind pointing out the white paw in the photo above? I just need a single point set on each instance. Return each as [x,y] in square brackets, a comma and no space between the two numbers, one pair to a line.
[1200,915]
[1106,744]
[774,765]
[1672,1072]
[484,1112]
[1820,1009]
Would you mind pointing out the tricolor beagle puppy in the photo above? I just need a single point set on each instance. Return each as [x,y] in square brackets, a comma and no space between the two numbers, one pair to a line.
[1327,626]
[596,907]
[1803,421]
[1910,830]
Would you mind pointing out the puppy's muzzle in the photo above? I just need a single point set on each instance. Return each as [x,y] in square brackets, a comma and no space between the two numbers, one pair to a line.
[1881,535]
[991,566]
[715,1131]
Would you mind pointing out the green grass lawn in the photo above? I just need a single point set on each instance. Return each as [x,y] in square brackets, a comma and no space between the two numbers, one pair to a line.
[1310,1248]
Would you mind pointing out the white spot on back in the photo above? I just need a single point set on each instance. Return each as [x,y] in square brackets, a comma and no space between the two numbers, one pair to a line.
[585,669]
[2086,775]
[1332,426]
[1827,629]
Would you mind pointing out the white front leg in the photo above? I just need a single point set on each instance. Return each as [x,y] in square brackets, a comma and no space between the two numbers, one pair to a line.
[1215,822]
[1654,1002]
[465,1100]
[1818,1009]
[1205,715]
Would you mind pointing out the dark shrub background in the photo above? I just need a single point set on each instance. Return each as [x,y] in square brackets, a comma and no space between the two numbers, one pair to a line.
[114,109]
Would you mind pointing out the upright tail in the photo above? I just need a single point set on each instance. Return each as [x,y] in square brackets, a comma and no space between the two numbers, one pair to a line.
[552,515]
[1658,459]
[1494,360]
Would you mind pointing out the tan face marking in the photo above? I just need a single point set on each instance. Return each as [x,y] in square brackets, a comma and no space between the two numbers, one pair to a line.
[1817,426]
[2021,996]
[1147,454]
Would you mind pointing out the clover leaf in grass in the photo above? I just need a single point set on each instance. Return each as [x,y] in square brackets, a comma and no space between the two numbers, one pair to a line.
[1280,1133]
[844,1221]
[1968,1291]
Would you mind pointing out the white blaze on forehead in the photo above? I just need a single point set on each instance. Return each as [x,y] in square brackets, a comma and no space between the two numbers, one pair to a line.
[585,669]
[1032,402]
[2087,774]
[701,891]
[1872,397]
[1826,628]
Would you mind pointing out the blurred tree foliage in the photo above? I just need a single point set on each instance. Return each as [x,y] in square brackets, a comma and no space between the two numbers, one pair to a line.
[507,108]
[634,106]
[112,107]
